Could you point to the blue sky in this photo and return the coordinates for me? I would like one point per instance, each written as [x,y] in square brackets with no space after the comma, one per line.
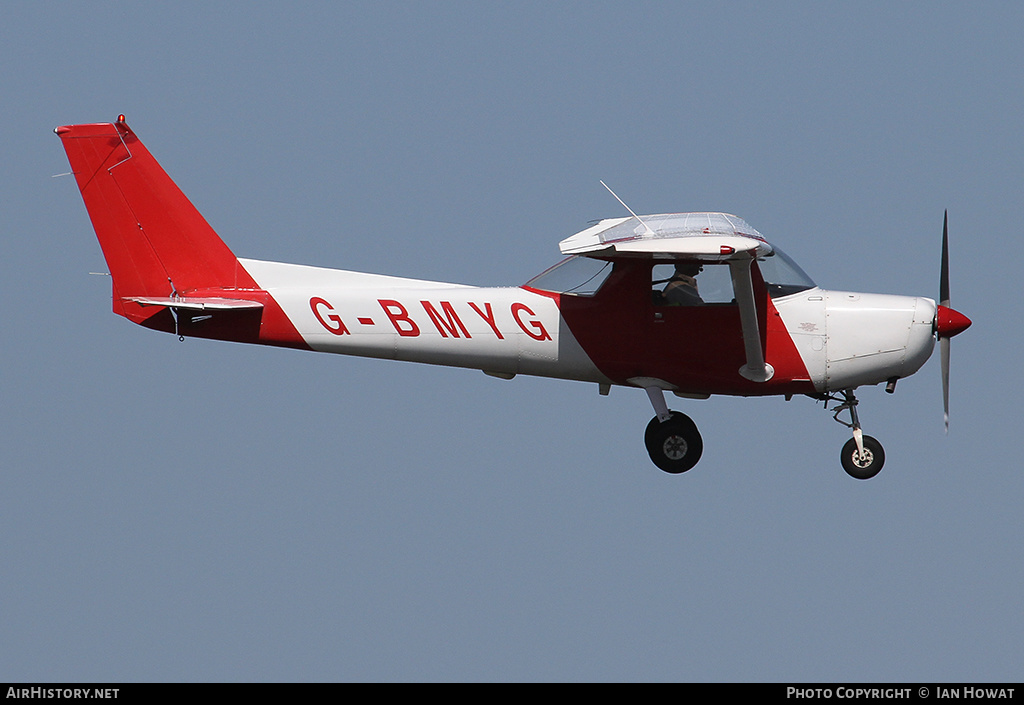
[211,511]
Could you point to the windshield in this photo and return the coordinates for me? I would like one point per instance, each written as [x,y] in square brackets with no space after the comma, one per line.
[782,275]
[578,275]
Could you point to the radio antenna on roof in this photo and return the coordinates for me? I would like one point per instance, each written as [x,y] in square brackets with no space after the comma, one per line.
[647,228]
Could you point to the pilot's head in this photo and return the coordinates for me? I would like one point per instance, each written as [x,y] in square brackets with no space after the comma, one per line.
[688,269]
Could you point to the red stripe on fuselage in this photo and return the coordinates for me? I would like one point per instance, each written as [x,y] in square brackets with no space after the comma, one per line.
[699,349]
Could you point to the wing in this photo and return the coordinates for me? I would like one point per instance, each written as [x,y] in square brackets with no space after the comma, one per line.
[709,237]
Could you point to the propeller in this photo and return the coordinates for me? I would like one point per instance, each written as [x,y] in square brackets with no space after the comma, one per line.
[948,322]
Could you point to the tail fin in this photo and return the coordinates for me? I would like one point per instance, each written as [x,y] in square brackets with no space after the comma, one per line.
[154,240]
[159,248]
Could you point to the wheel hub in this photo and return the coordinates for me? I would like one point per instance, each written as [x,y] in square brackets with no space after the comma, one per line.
[865,460]
[675,447]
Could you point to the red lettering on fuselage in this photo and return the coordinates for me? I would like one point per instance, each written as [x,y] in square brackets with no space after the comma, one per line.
[336,325]
[451,323]
[443,315]
[399,318]
[488,317]
[538,332]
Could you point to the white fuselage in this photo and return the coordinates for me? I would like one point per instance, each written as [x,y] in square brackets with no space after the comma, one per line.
[503,330]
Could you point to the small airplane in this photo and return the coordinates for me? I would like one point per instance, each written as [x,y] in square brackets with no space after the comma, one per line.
[689,303]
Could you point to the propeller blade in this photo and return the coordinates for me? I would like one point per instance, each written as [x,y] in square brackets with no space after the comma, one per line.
[944,351]
[944,267]
[944,301]
[948,322]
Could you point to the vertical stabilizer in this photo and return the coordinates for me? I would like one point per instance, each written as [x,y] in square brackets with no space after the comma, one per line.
[158,247]
[152,237]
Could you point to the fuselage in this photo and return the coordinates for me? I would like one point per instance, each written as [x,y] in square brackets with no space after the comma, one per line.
[816,340]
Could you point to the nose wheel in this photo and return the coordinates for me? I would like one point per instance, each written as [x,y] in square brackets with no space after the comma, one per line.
[865,464]
[862,456]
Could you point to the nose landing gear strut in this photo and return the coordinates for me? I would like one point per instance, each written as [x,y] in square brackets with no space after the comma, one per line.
[862,456]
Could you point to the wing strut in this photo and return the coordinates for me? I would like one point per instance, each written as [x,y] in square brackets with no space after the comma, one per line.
[756,369]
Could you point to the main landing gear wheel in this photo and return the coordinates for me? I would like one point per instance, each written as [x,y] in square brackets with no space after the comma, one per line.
[674,445]
[863,467]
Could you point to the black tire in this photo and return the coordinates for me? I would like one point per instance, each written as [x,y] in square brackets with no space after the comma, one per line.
[675,445]
[873,461]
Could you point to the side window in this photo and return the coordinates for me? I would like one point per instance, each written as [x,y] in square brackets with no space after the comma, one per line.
[581,276]
[691,284]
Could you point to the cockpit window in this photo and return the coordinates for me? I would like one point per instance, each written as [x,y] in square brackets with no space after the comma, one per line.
[583,276]
[782,275]
[578,275]
[691,284]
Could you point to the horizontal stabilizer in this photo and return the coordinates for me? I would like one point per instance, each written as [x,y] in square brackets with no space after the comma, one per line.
[195,304]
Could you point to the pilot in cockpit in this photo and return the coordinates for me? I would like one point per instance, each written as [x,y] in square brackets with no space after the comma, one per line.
[681,289]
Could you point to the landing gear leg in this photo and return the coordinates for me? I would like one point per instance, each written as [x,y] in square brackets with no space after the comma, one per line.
[862,456]
[672,438]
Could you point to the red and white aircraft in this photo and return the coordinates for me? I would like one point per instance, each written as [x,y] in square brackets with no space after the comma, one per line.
[690,303]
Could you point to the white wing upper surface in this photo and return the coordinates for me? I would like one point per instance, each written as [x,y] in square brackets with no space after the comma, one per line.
[702,236]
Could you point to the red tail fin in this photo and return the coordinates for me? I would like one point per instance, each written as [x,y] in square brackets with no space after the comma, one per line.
[158,246]
[153,238]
